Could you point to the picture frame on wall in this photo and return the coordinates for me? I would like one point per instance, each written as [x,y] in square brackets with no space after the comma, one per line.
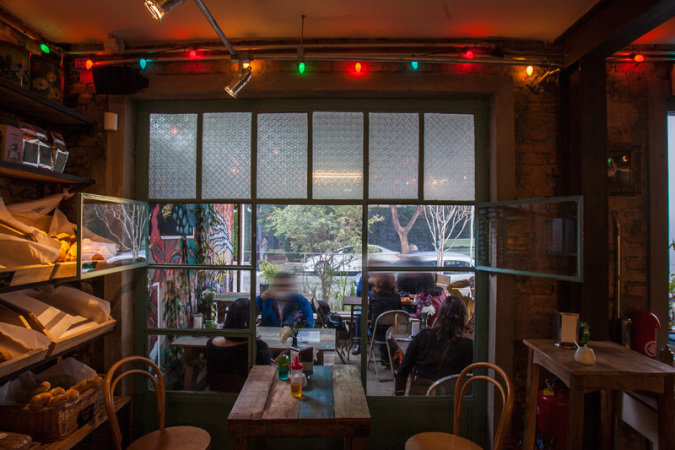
[623,169]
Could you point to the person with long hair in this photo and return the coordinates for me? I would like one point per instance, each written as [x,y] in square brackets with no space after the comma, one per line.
[384,297]
[227,357]
[440,350]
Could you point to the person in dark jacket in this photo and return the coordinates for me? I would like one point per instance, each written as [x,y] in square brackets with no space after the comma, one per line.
[278,305]
[227,357]
[440,350]
[384,297]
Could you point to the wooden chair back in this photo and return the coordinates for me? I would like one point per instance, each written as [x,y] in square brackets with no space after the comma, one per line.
[505,388]
[110,382]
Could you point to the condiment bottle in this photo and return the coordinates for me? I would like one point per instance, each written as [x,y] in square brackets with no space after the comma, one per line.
[296,378]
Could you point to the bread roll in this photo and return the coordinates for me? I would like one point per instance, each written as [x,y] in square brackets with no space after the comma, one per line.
[57,401]
[40,388]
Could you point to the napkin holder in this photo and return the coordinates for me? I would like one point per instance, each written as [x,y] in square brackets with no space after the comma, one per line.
[568,329]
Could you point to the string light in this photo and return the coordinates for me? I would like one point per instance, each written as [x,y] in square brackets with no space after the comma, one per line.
[193,54]
[468,54]
[358,67]
[301,67]
[414,65]
[143,63]
[44,48]
[529,71]
[88,64]
[639,58]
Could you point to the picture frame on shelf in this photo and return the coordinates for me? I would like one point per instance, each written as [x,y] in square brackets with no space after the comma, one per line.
[623,169]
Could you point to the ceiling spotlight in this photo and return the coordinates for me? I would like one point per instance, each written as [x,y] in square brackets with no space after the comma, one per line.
[160,7]
[238,83]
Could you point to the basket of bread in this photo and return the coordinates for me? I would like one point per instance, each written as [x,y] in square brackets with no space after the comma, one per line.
[51,410]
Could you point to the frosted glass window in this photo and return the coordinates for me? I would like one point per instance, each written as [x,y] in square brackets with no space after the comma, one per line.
[393,155]
[173,156]
[226,155]
[449,166]
[337,139]
[282,155]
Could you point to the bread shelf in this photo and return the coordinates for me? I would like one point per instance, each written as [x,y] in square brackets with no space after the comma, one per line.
[27,103]
[56,348]
[84,431]
[35,275]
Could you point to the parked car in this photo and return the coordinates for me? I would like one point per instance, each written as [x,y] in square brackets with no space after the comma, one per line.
[450,259]
[348,259]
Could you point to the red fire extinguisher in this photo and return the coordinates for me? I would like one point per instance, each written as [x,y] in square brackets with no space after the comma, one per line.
[643,332]
[552,412]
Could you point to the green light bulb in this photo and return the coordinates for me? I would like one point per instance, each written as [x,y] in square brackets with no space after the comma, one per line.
[44,48]
[301,67]
[414,65]
[143,63]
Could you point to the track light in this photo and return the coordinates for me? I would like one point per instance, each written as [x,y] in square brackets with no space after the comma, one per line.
[238,83]
[160,7]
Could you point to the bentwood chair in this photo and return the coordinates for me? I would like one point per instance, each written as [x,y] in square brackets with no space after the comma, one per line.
[400,321]
[179,437]
[436,440]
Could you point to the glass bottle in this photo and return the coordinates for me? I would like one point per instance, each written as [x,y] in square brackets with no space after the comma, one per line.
[296,378]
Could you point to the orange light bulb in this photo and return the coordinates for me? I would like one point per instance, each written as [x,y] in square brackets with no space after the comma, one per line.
[88,64]
[357,67]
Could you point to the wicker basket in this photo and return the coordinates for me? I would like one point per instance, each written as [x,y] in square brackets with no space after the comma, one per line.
[52,424]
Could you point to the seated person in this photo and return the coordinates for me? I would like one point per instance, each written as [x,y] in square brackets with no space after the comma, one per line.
[227,357]
[279,304]
[384,297]
[433,297]
[438,351]
[415,282]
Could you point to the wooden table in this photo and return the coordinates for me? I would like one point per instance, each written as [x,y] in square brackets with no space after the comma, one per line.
[617,368]
[333,406]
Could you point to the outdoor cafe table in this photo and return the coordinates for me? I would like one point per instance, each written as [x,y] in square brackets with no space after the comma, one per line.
[322,339]
[617,368]
[334,406]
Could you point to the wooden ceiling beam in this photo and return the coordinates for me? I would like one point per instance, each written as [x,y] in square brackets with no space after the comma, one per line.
[612,25]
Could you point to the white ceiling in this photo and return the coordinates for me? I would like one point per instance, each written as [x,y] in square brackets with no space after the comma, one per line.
[81,21]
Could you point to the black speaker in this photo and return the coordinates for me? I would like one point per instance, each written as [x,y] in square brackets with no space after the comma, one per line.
[118,80]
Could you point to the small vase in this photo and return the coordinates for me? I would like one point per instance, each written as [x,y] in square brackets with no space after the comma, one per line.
[423,325]
[585,355]
[295,341]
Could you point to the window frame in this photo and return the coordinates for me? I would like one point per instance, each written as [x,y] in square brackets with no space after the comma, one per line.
[477,106]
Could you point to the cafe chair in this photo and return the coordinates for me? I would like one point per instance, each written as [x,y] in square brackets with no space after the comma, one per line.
[400,321]
[436,440]
[178,437]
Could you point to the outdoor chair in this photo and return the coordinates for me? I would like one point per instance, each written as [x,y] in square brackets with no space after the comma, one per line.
[435,440]
[400,321]
[178,437]
[326,319]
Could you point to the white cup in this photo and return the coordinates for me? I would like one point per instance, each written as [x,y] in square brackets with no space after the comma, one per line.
[197,320]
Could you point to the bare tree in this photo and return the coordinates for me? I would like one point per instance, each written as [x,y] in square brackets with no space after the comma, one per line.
[127,223]
[403,231]
[446,223]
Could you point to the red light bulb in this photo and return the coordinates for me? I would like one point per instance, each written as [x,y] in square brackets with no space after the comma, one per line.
[468,54]
[192,54]
[88,64]
[639,58]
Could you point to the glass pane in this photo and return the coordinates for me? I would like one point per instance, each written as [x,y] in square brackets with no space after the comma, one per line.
[114,235]
[181,298]
[392,333]
[282,155]
[337,139]
[194,233]
[449,157]
[538,237]
[439,235]
[393,155]
[173,156]
[226,155]
[187,364]
[320,244]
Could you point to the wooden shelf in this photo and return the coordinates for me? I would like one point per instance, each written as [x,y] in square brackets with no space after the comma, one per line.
[27,103]
[30,173]
[83,431]
[56,348]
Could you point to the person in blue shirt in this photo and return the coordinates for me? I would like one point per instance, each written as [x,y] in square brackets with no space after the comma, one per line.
[278,304]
